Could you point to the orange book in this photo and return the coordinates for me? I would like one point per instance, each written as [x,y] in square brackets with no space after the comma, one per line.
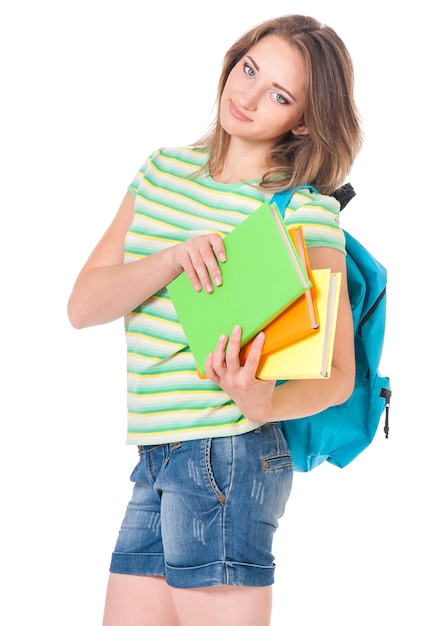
[300,318]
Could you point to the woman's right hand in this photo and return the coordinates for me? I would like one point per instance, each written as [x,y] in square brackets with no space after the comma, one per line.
[198,258]
[107,288]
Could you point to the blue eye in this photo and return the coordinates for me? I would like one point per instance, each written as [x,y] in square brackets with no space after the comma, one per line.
[249,71]
[280,98]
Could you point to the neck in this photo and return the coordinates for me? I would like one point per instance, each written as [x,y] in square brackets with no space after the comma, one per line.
[242,162]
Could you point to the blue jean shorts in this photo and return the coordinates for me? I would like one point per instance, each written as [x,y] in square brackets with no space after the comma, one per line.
[204,512]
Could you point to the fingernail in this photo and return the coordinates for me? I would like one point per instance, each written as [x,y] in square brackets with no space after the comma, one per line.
[217,280]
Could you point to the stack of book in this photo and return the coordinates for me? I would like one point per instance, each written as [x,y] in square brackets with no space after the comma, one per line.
[267,284]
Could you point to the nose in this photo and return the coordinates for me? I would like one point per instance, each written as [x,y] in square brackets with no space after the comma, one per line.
[249,97]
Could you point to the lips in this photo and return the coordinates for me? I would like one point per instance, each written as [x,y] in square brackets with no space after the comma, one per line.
[237,114]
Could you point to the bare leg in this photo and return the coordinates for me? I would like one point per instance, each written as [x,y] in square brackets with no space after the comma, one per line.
[138,601]
[149,601]
[219,606]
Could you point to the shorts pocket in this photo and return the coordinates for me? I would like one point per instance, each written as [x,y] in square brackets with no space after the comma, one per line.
[277,462]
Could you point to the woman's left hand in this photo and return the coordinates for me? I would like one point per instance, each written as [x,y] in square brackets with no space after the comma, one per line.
[252,396]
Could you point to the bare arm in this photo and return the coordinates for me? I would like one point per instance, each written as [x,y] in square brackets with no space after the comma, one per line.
[107,288]
[260,400]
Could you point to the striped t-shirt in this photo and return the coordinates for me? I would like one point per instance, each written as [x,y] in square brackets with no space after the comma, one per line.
[167,401]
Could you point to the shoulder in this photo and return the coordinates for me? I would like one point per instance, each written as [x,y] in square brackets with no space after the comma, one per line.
[166,162]
[319,215]
[311,199]
[188,155]
[307,205]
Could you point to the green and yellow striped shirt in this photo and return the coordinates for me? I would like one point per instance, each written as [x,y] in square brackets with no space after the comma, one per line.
[167,401]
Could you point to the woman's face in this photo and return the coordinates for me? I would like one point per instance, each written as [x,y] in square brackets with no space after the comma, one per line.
[263,98]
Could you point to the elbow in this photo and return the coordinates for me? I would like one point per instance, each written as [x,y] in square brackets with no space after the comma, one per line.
[345,384]
[75,323]
[75,317]
[346,391]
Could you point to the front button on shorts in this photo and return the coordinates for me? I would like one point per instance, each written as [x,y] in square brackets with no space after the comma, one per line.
[204,512]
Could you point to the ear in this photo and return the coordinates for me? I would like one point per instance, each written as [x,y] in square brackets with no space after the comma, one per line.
[300,129]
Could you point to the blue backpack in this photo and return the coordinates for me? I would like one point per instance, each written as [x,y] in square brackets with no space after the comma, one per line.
[340,433]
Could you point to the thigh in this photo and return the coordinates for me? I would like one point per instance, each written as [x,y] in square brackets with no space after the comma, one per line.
[221,501]
[222,606]
[139,601]
[260,483]
[139,546]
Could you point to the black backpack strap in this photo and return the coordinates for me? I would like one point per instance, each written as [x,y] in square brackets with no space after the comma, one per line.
[344,194]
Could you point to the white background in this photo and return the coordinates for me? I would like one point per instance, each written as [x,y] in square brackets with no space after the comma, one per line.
[89,89]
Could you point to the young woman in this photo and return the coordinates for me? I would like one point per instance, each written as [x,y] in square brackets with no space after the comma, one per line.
[195,546]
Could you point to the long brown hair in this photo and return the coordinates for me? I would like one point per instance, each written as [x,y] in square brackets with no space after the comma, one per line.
[324,157]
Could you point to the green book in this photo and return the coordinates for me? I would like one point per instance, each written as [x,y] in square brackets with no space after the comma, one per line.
[261,277]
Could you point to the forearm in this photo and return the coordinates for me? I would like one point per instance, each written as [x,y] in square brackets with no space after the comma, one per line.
[296,398]
[264,401]
[302,398]
[104,294]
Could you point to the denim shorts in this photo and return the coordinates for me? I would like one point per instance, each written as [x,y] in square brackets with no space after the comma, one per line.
[204,512]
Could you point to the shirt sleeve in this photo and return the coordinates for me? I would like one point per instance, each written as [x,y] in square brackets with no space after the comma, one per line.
[319,215]
[133,187]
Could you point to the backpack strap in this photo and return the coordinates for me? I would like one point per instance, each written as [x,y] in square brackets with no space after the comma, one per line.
[281,199]
[343,195]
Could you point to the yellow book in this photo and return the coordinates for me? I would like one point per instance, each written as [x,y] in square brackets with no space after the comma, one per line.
[309,357]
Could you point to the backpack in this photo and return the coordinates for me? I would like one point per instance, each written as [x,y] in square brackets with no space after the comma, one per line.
[340,433]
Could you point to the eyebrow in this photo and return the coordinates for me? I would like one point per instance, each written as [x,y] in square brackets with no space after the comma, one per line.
[280,87]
